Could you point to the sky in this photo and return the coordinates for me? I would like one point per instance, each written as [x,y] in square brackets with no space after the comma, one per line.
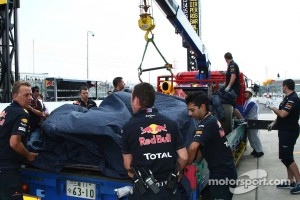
[262,35]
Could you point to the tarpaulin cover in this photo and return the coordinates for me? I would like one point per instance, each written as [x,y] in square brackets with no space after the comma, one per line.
[75,135]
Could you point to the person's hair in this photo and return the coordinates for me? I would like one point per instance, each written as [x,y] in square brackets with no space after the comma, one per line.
[198,99]
[289,83]
[34,88]
[116,81]
[228,56]
[83,87]
[16,86]
[146,94]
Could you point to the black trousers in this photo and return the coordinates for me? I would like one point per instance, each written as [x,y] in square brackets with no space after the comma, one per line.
[10,185]
[219,192]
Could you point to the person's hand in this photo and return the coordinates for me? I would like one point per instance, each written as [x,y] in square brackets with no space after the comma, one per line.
[130,173]
[180,175]
[270,105]
[227,89]
[31,156]
[76,103]
[270,126]
[29,108]
[46,113]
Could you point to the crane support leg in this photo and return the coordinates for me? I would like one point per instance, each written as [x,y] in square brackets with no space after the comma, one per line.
[9,48]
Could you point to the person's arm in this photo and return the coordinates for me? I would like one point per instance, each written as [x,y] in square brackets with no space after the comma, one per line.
[193,152]
[182,157]
[281,113]
[36,112]
[248,109]
[232,79]
[127,159]
[272,124]
[45,110]
[16,144]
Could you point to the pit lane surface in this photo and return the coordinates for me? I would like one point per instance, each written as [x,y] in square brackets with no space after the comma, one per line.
[269,163]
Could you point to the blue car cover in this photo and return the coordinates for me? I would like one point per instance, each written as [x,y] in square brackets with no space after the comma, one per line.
[74,135]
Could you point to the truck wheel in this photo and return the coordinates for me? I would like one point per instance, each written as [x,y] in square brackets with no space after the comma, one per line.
[227,124]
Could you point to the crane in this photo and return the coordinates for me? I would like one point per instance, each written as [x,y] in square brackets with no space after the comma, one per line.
[9,47]
[197,53]
[182,25]
[9,43]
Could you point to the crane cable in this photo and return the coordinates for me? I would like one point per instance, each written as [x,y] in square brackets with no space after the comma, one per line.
[146,23]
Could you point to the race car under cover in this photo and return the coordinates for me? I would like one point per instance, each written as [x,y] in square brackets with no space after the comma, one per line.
[74,135]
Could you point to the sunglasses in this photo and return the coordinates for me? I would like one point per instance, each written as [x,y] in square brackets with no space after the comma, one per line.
[37,90]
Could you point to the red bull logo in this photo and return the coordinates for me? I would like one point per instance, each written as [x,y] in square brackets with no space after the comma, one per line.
[49,83]
[3,114]
[153,129]
[155,139]
[2,118]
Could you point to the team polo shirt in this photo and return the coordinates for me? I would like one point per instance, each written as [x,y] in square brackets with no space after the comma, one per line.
[290,104]
[214,148]
[35,120]
[90,103]
[13,121]
[233,68]
[152,139]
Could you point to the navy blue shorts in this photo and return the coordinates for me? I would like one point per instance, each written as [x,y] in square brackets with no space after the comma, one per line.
[287,141]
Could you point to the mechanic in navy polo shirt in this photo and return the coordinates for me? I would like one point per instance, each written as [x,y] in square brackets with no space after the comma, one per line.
[84,100]
[210,143]
[14,124]
[119,84]
[288,133]
[152,141]
[233,81]
[37,112]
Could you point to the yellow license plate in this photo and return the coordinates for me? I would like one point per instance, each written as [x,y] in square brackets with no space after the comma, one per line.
[28,197]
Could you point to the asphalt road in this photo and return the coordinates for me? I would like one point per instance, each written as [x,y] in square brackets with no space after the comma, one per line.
[269,163]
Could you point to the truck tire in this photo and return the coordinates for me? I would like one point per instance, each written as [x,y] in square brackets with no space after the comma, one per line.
[227,124]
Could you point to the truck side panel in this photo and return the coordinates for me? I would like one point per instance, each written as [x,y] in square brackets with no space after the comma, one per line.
[50,186]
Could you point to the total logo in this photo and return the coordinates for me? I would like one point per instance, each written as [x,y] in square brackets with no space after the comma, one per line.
[154,156]
[153,129]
